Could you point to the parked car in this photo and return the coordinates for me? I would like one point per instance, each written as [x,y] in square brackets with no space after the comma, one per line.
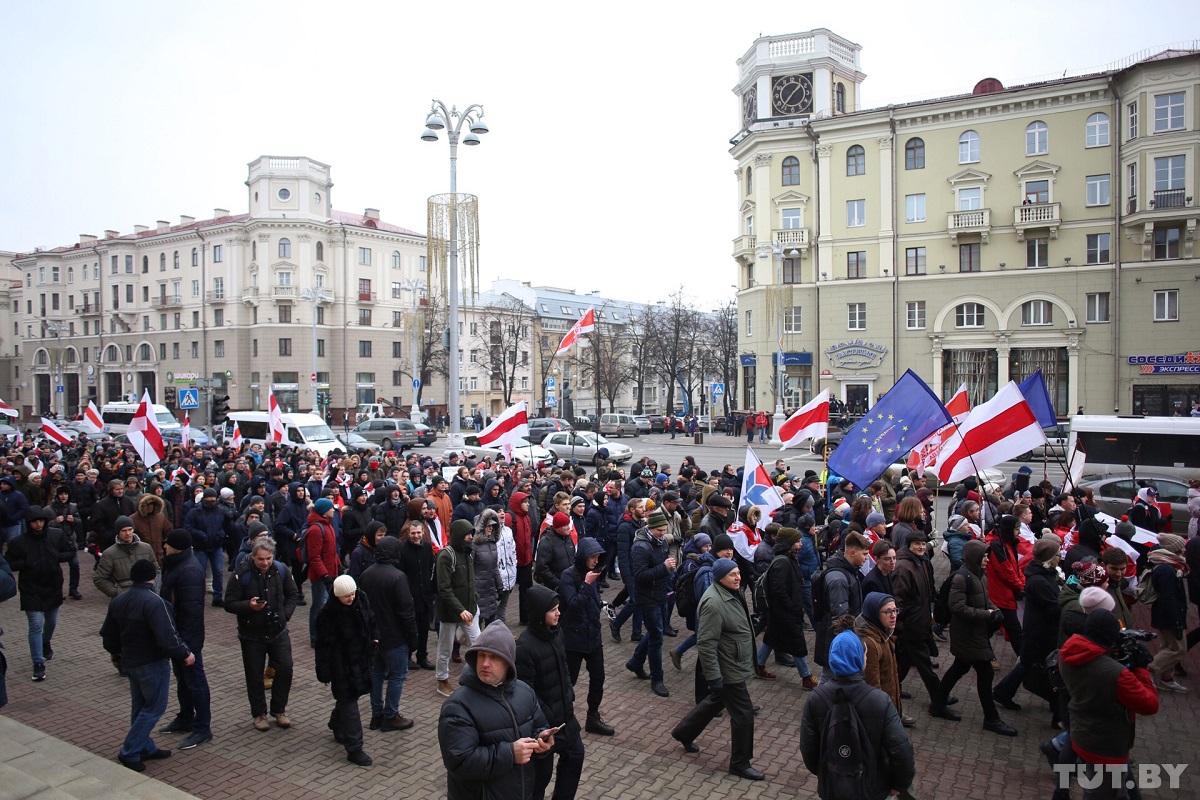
[1055,446]
[425,434]
[643,424]
[530,454]
[585,422]
[618,425]
[356,444]
[539,427]
[389,433]
[817,445]
[658,423]
[585,446]
[173,436]
[1114,494]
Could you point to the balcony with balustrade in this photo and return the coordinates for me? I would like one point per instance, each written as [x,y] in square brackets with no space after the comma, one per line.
[977,220]
[1041,216]
[788,239]
[215,296]
[168,301]
[745,247]
[286,294]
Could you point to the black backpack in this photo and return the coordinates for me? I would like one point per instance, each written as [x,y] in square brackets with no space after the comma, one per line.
[686,601]
[848,758]
[941,602]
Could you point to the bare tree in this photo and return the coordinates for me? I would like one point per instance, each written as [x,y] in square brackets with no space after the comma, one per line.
[671,339]
[641,350]
[431,323]
[607,362]
[505,333]
[721,349]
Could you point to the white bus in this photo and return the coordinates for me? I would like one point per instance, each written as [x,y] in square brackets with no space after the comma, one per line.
[1168,446]
[303,430]
[117,416]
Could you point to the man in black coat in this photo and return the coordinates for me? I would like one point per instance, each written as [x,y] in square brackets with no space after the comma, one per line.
[345,637]
[104,514]
[183,587]
[37,557]
[542,663]
[492,725]
[652,566]
[416,561]
[555,552]
[140,635]
[579,594]
[386,586]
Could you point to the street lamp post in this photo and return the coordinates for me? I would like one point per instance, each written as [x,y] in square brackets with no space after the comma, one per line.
[316,297]
[414,285]
[57,329]
[452,120]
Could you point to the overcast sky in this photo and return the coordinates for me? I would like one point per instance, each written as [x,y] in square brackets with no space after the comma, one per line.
[607,166]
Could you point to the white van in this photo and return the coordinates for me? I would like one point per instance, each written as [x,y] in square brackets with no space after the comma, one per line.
[306,431]
[618,425]
[117,417]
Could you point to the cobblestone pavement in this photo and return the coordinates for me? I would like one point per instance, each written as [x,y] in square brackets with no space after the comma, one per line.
[85,702]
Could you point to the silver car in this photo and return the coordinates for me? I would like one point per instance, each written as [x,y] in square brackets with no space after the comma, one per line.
[585,446]
[1114,494]
[389,433]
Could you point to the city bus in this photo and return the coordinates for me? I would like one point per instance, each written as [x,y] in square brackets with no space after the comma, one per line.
[1168,446]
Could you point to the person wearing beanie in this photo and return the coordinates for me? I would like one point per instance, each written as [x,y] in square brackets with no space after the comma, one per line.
[457,598]
[914,590]
[1116,564]
[344,643]
[958,533]
[555,552]
[718,518]
[895,767]
[320,543]
[1107,695]
[651,565]
[37,556]
[1168,612]
[363,554]
[725,635]
[113,574]
[492,725]
[183,587]
[209,526]
[581,628]
[358,514]
[974,621]
[140,635]
[785,599]
[392,602]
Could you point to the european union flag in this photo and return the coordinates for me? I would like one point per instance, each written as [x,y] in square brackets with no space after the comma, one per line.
[1037,395]
[901,420]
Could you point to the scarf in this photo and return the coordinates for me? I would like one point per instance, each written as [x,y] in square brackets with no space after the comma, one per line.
[1164,556]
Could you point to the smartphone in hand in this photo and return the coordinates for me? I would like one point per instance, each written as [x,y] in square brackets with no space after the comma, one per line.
[546,734]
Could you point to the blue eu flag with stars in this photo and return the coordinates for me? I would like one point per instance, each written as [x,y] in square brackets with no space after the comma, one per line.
[901,420]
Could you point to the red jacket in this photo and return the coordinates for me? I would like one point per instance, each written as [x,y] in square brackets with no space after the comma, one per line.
[321,542]
[1101,689]
[521,527]
[1004,575]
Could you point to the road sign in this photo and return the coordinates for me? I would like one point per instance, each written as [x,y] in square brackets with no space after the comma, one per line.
[718,389]
[59,389]
[312,377]
[189,398]
[416,383]
[551,382]
[551,401]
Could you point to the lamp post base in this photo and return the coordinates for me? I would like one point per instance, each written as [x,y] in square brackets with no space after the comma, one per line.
[777,421]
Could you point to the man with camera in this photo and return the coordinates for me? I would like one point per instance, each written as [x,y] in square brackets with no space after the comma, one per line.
[1107,676]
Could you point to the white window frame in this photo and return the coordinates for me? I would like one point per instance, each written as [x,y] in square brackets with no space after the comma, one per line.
[1098,190]
[1132,111]
[856,213]
[856,316]
[914,207]
[970,315]
[961,202]
[364,256]
[914,315]
[1166,305]
[1098,244]
[1168,111]
[1037,312]
[1096,130]
[1040,245]
[1171,169]
[1037,138]
[791,219]
[793,320]
[969,148]
[1098,308]
[749,322]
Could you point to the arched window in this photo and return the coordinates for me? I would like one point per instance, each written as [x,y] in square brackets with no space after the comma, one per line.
[320,251]
[841,98]
[144,353]
[162,262]
[111,354]
[285,248]
[70,355]
[41,359]
[145,263]
[856,161]
[395,259]
[914,153]
[195,256]
[968,315]
[1037,139]
[1096,131]
[791,171]
[968,147]
[70,274]
[175,260]
[749,180]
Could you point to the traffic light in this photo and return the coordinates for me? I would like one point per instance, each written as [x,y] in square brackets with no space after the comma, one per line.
[169,395]
[220,410]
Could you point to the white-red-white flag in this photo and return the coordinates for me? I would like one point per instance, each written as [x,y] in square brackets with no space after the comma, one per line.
[585,324]
[186,435]
[925,454]
[810,422]
[237,435]
[92,419]
[997,431]
[8,410]
[54,433]
[507,430]
[275,418]
[144,433]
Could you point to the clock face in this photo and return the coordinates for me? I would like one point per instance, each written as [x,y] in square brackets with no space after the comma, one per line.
[791,94]
[750,105]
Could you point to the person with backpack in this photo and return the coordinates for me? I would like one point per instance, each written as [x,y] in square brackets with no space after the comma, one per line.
[848,715]
[779,594]
[1168,610]
[913,582]
[318,555]
[837,590]
[726,637]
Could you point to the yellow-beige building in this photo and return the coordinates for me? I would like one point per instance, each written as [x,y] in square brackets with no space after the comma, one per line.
[975,238]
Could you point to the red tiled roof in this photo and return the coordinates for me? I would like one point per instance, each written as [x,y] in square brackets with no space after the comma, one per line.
[358,220]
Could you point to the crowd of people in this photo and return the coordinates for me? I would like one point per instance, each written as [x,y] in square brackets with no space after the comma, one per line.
[393,548]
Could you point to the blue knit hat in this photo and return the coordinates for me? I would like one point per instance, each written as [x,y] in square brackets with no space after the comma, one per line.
[722,567]
[323,506]
[846,655]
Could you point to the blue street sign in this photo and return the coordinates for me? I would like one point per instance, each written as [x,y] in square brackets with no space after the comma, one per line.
[551,382]
[59,389]
[551,402]
[189,398]
[416,383]
[718,389]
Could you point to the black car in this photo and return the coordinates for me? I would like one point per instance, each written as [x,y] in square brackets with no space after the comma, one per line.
[658,423]
[541,427]
[425,434]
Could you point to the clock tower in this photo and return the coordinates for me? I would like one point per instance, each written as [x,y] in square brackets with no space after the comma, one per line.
[785,80]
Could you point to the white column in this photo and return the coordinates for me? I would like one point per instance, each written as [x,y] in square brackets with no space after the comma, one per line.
[887,256]
[822,91]
[1073,377]
[825,207]
[938,378]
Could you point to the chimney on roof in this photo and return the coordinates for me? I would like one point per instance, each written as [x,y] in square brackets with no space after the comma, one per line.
[371,213]
[87,238]
[140,229]
[163,225]
[111,234]
[220,212]
[184,219]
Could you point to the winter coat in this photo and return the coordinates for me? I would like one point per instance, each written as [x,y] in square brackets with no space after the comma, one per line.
[445,509]
[416,562]
[879,666]
[363,554]
[138,629]
[914,587]
[725,636]
[1193,507]
[209,526]
[355,519]
[13,504]
[625,532]
[809,558]
[84,495]
[596,522]
[506,558]
[391,599]
[484,552]
[1169,611]
[151,525]
[971,611]
[289,524]
[1071,616]
[104,516]
[954,546]
[843,595]
[580,603]
[876,581]
[555,553]
[183,587]
[455,571]
[275,586]
[542,663]
[1105,699]
[785,599]
[467,510]
[73,531]
[522,528]
[614,510]
[1040,624]
[345,640]
[112,573]
[1005,577]
[321,543]
[647,560]
[37,559]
